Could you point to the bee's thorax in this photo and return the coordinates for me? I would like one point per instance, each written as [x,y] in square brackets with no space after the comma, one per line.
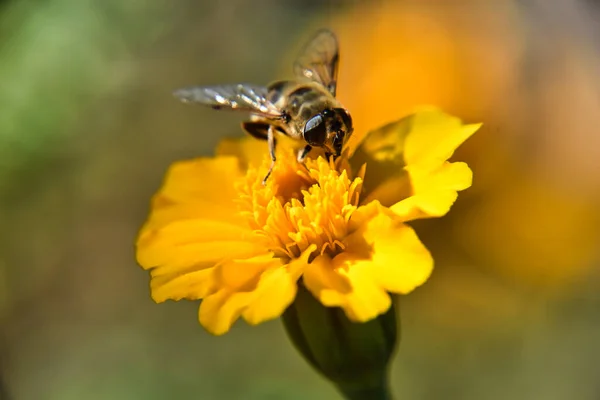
[300,101]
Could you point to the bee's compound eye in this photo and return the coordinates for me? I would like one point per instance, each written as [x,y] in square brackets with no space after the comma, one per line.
[315,131]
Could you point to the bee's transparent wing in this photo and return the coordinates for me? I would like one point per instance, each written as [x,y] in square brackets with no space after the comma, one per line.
[319,60]
[241,96]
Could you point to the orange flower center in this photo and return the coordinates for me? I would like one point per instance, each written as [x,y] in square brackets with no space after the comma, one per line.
[300,205]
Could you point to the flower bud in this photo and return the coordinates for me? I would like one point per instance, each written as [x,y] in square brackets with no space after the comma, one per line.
[353,356]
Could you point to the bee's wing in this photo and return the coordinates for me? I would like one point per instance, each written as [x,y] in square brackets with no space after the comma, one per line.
[319,60]
[244,97]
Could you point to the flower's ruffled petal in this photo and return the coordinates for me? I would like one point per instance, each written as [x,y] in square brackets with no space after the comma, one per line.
[427,205]
[390,190]
[164,212]
[191,228]
[427,136]
[260,299]
[384,144]
[220,310]
[206,179]
[361,218]
[188,270]
[276,289]
[266,300]
[401,155]
[365,300]
[382,255]
[368,298]
[194,284]
[274,293]
[382,153]
[242,274]
[188,242]
[434,136]
[335,284]
[398,259]
[320,278]
[182,256]
[185,231]
[185,255]
[196,189]
[203,278]
[434,192]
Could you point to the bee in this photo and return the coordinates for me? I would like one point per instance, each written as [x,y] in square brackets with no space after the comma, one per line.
[304,109]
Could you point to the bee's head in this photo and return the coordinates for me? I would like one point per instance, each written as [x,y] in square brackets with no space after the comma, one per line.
[329,129]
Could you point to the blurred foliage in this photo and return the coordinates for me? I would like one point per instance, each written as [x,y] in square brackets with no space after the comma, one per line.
[57,57]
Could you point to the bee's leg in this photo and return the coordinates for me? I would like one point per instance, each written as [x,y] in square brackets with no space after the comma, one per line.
[272,144]
[303,153]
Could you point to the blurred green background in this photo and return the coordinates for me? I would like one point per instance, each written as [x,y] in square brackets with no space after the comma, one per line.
[88,127]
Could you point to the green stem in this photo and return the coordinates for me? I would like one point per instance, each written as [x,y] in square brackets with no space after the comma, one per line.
[376,390]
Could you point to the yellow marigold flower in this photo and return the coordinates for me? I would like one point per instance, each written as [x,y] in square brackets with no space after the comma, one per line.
[216,233]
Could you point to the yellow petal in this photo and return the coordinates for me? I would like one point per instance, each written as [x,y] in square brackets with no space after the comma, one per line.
[220,310]
[166,212]
[361,217]
[382,255]
[272,294]
[188,242]
[193,285]
[426,137]
[209,179]
[319,276]
[343,282]
[434,192]
[180,257]
[399,261]
[400,157]
[263,300]
[360,296]
[385,143]
[192,230]
[434,136]
[390,190]
[201,188]
[367,299]
[238,273]
[427,205]
[187,274]
[383,153]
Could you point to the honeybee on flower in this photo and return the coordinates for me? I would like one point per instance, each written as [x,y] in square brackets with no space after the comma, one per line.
[304,109]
